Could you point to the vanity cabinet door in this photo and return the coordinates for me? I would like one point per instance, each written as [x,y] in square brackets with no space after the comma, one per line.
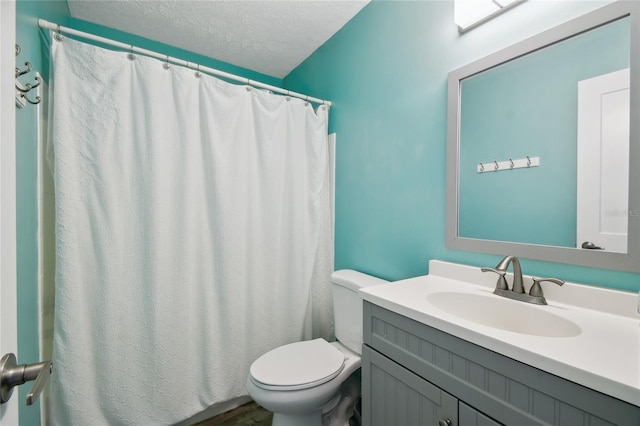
[392,395]
[471,417]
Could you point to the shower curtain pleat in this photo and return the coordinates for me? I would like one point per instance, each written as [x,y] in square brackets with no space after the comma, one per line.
[193,234]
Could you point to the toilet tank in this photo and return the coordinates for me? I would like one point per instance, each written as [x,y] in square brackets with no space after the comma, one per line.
[347,305]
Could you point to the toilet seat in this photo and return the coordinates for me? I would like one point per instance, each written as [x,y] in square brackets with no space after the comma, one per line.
[298,365]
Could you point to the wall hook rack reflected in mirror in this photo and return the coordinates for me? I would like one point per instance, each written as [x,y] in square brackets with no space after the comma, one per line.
[510,164]
[23,90]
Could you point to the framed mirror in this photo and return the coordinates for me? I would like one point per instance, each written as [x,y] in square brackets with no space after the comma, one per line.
[542,154]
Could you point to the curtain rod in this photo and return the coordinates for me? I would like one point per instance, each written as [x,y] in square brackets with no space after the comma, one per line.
[42,23]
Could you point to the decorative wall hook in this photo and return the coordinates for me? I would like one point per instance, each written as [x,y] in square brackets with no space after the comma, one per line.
[23,90]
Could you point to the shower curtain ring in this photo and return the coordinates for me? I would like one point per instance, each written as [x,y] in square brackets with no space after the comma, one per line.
[131,56]
[197,73]
[166,63]
[58,35]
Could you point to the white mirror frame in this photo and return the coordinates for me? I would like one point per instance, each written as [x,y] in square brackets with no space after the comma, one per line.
[608,260]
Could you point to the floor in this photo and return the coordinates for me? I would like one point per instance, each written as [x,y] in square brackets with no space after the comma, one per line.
[250,414]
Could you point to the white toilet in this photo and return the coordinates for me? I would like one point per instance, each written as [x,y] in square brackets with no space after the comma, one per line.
[302,382]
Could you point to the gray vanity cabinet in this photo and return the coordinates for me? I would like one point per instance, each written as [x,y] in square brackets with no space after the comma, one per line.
[413,374]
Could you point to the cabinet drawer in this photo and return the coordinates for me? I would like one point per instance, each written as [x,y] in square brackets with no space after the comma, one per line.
[508,391]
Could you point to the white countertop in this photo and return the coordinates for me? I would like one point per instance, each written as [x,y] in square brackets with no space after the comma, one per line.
[605,356]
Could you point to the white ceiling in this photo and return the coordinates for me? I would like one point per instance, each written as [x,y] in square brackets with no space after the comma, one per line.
[269,36]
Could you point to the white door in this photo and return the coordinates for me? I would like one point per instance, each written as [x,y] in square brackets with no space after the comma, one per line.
[8,308]
[603,161]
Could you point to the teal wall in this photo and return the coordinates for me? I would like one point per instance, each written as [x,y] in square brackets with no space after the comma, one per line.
[34,46]
[386,74]
[530,107]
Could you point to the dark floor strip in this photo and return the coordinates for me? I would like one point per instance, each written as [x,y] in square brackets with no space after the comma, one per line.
[250,414]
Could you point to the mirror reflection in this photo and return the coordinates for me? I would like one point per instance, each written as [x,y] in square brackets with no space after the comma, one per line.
[544,145]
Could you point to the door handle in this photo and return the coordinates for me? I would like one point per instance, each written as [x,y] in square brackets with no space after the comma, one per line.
[590,246]
[12,375]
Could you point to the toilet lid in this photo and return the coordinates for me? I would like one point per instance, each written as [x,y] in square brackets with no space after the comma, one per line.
[298,364]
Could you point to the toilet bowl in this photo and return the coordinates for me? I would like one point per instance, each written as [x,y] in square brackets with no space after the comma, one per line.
[301,401]
[304,382]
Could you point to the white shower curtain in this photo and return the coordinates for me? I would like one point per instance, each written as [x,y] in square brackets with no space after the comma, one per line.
[192,235]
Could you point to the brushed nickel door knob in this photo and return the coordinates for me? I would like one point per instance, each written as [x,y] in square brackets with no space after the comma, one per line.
[12,375]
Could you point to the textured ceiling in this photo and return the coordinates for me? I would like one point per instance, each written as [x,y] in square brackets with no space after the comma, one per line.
[271,37]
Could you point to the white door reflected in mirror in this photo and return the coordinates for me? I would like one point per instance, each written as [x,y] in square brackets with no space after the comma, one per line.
[603,161]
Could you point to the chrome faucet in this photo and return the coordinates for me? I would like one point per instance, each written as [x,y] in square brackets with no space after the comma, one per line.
[517,289]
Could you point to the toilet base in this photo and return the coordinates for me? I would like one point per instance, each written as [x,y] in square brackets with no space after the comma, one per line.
[334,413]
[307,419]
[343,410]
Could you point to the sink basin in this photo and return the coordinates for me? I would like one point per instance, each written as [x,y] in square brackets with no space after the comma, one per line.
[509,315]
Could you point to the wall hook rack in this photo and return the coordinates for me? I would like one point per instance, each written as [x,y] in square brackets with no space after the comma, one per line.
[23,90]
[510,164]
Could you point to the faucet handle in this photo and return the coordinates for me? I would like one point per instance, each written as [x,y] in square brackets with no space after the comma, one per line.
[536,289]
[502,281]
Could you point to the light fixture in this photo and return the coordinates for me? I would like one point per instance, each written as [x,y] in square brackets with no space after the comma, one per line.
[469,14]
